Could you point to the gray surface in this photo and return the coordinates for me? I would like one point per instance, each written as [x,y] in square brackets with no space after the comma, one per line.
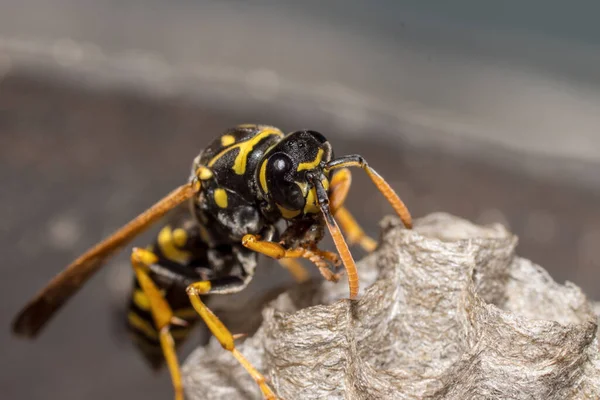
[521,74]
[447,312]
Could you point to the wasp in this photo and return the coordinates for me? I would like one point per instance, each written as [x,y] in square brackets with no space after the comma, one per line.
[241,187]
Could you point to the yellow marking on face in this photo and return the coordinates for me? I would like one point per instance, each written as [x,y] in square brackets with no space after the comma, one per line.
[141,300]
[263,176]
[179,237]
[168,247]
[311,202]
[288,214]
[312,164]
[311,206]
[221,197]
[303,187]
[239,164]
[227,140]
[142,325]
[204,173]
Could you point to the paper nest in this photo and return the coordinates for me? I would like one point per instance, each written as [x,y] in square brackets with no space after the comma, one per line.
[446,311]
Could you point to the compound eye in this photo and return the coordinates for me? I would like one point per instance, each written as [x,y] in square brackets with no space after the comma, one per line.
[279,165]
[284,190]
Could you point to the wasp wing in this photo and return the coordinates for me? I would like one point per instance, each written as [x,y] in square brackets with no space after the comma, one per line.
[43,306]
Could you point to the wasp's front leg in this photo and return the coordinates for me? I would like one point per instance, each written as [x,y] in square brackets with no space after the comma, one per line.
[307,250]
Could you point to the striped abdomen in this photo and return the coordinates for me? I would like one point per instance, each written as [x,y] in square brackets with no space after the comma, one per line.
[141,324]
[180,251]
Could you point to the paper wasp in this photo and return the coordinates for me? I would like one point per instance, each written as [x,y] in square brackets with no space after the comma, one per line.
[245,182]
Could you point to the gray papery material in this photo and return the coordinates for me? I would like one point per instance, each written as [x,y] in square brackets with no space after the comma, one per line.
[446,311]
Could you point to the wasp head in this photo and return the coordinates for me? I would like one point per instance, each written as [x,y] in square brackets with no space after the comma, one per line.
[288,172]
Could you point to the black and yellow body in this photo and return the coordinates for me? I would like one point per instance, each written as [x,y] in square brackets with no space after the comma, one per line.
[236,200]
[182,258]
[242,186]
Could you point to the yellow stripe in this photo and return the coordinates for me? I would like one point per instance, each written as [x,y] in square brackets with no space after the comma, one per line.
[312,164]
[303,187]
[179,237]
[142,325]
[227,140]
[141,300]
[239,165]
[221,197]
[263,176]
[310,206]
[287,214]
[263,172]
[168,248]
[147,257]
[204,173]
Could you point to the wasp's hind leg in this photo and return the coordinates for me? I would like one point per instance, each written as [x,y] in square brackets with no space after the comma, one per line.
[141,261]
[338,191]
[223,335]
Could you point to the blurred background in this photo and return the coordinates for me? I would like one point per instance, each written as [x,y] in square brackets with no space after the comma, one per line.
[487,110]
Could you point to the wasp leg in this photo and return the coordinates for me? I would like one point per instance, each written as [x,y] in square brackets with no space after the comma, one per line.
[318,257]
[338,191]
[141,260]
[353,231]
[380,183]
[296,269]
[339,186]
[277,251]
[223,335]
